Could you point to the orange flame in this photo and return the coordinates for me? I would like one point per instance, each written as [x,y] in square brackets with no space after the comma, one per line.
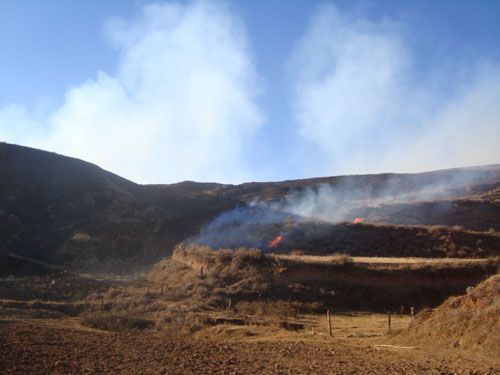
[275,242]
[358,220]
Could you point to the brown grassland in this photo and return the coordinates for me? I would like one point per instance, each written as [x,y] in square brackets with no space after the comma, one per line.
[206,311]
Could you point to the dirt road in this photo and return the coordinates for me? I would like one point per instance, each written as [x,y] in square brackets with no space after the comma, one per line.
[33,349]
[385,260]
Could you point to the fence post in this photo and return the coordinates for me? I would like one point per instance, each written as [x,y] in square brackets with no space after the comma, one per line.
[161,289]
[412,312]
[389,319]
[329,323]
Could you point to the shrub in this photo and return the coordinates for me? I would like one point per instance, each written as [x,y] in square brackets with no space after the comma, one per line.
[342,259]
[116,322]
[297,252]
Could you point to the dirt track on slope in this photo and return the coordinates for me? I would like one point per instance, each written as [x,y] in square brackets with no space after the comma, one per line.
[34,349]
[386,260]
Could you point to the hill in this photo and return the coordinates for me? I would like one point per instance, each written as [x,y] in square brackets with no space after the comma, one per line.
[386,240]
[67,212]
[469,321]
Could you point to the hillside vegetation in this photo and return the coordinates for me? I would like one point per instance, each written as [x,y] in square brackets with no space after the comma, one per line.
[478,209]
[323,238]
[68,213]
[470,321]
[203,278]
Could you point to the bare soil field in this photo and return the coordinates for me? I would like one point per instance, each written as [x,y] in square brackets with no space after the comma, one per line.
[64,347]
[241,312]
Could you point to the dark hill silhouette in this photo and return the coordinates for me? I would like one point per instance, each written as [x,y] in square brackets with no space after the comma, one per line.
[64,211]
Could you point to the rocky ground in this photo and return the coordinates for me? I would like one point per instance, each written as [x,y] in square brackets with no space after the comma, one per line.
[35,348]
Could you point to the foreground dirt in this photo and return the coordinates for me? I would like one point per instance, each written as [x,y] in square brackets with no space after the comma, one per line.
[39,349]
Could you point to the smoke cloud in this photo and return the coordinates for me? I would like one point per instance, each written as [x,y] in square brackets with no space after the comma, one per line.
[179,106]
[182,103]
[363,105]
[310,212]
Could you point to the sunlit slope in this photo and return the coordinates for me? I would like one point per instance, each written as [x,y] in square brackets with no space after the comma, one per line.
[470,321]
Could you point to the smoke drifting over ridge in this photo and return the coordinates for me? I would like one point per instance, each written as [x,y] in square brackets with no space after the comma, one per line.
[367,104]
[260,221]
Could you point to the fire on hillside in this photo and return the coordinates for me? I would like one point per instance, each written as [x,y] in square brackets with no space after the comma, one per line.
[275,242]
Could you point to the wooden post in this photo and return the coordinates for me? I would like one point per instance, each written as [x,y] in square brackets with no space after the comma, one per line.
[201,271]
[329,323]
[229,304]
[411,312]
[402,310]
[161,289]
[312,330]
[389,319]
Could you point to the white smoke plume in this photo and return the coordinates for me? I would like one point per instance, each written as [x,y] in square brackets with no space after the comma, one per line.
[180,104]
[366,106]
[342,199]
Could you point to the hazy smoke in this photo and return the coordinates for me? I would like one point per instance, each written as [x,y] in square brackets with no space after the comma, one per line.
[179,106]
[182,102]
[260,221]
[366,106]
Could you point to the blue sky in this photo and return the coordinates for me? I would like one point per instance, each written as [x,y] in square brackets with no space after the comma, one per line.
[160,92]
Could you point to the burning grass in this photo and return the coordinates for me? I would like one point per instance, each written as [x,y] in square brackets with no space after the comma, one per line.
[362,239]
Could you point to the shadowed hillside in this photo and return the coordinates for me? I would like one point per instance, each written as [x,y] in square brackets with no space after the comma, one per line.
[477,209]
[323,238]
[63,210]
[67,212]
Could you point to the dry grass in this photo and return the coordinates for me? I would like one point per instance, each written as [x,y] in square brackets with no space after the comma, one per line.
[278,298]
[345,259]
[201,287]
[470,321]
[110,321]
[312,237]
